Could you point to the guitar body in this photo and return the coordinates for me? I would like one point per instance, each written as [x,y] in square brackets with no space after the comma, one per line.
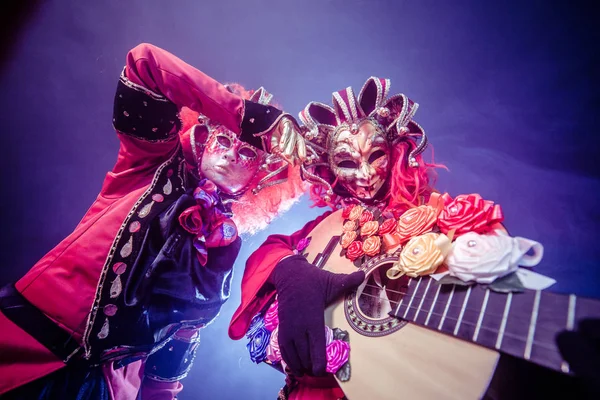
[409,362]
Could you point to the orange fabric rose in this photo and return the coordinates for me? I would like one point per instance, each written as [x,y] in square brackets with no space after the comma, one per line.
[387,226]
[416,221]
[355,213]
[371,245]
[349,226]
[391,242]
[355,250]
[369,229]
[469,213]
[346,212]
[365,217]
[347,238]
[421,256]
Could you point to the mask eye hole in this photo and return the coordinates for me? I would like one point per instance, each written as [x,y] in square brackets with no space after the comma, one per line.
[247,152]
[376,155]
[224,141]
[347,164]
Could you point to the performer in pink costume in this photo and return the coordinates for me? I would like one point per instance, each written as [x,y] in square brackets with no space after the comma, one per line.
[118,304]
[364,150]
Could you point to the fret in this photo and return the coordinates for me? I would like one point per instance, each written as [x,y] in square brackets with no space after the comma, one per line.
[564,366]
[447,307]
[532,323]
[411,299]
[571,312]
[397,313]
[422,299]
[481,314]
[433,303]
[462,311]
[504,319]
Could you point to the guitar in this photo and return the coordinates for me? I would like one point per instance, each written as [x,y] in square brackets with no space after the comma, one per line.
[417,339]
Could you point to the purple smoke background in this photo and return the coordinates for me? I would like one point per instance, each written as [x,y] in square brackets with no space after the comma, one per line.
[509,95]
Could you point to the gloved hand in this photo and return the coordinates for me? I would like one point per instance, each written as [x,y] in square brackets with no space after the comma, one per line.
[287,142]
[303,292]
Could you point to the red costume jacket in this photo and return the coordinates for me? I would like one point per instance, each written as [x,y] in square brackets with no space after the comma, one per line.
[75,283]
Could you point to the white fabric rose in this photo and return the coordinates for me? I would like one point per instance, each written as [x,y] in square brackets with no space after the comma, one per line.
[483,258]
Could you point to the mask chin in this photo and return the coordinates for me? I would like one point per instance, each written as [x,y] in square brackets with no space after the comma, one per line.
[340,190]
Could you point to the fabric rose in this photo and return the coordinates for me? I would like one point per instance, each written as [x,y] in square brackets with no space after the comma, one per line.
[416,221]
[387,226]
[372,245]
[483,258]
[355,250]
[257,347]
[355,213]
[328,335]
[303,244]
[338,353]
[391,242]
[273,350]
[272,317]
[365,217]
[191,219]
[257,323]
[349,226]
[346,211]
[347,238]
[369,228]
[421,256]
[469,213]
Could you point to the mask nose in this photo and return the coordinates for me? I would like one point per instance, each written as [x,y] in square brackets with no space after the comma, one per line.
[231,155]
[365,173]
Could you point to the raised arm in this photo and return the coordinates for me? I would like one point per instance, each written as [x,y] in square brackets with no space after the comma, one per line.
[152,89]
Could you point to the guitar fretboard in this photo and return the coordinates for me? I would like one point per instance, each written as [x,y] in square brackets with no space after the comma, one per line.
[520,324]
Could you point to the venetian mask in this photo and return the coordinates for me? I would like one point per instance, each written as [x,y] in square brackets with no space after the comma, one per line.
[229,163]
[360,158]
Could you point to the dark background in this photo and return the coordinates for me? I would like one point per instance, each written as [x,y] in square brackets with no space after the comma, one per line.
[509,95]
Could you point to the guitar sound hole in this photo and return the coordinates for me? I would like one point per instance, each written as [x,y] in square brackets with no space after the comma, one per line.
[378,296]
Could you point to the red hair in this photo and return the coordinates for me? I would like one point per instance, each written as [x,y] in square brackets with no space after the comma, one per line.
[253,212]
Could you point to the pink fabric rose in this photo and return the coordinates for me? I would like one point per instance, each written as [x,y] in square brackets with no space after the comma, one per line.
[338,353]
[273,350]
[272,317]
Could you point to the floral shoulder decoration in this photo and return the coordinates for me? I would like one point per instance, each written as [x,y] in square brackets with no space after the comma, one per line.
[209,220]
[263,344]
[457,240]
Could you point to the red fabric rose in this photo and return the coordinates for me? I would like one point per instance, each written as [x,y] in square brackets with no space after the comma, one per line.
[355,250]
[347,210]
[387,226]
[365,217]
[191,219]
[469,213]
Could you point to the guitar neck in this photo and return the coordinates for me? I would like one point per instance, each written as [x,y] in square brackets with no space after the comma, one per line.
[520,324]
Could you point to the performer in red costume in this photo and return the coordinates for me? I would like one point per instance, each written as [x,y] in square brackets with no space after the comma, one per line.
[362,151]
[118,305]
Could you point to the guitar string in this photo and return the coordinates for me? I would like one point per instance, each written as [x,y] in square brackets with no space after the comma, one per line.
[508,334]
[514,318]
[517,318]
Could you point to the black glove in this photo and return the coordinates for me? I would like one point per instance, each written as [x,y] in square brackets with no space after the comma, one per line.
[304,291]
[581,349]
